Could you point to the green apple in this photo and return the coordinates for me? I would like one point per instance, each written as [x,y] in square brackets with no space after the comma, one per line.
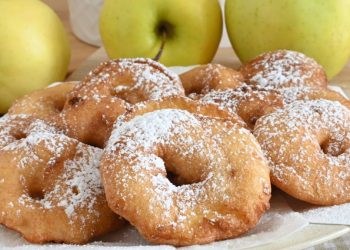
[34,49]
[137,28]
[317,28]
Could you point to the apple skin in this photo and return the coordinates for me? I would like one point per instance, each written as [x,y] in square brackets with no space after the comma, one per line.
[131,29]
[34,49]
[318,28]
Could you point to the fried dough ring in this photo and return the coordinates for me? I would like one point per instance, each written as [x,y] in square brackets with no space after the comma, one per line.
[50,184]
[108,91]
[221,173]
[252,102]
[284,68]
[308,145]
[45,104]
[203,79]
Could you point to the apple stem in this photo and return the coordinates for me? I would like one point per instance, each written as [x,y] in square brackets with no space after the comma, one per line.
[160,51]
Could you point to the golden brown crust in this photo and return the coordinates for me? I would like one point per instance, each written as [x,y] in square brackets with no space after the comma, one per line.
[45,104]
[308,145]
[284,68]
[177,102]
[203,79]
[252,102]
[51,187]
[135,79]
[222,179]
[109,90]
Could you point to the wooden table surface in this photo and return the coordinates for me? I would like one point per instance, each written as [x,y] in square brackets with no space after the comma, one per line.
[80,50]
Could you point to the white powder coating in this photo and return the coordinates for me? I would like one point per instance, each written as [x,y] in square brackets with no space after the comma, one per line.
[149,77]
[292,94]
[328,215]
[284,68]
[151,126]
[75,189]
[76,185]
[230,99]
[172,139]
[13,126]
[308,145]
[239,99]
[211,76]
[148,131]
[210,72]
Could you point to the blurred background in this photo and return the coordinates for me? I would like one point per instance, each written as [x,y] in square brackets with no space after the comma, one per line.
[80,50]
[80,18]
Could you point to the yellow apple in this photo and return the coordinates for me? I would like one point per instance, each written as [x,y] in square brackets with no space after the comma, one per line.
[136,28]
[317,28]
[34,49]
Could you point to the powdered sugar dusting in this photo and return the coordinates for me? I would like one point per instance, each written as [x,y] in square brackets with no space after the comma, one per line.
[328,215]
[76,183]
[230,99]
[211,76]
[76,188]
[209,72]
[292,94]
[252,102]
[142,149]
[162,122]
[149,131]
[150,78]
[16,127]
[284,68]
[309,141]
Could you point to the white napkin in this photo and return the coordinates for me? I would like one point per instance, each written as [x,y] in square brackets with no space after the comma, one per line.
[339,215]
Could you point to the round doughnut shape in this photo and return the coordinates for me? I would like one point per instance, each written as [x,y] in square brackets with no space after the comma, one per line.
[308,146]
[50,186]
[220,179]
[253,102]
[203,79]
[134,79]
[109,90]
[14,127]
[284,68]
[45,104]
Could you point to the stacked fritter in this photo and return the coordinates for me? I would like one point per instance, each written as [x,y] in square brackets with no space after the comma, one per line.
[186,160]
